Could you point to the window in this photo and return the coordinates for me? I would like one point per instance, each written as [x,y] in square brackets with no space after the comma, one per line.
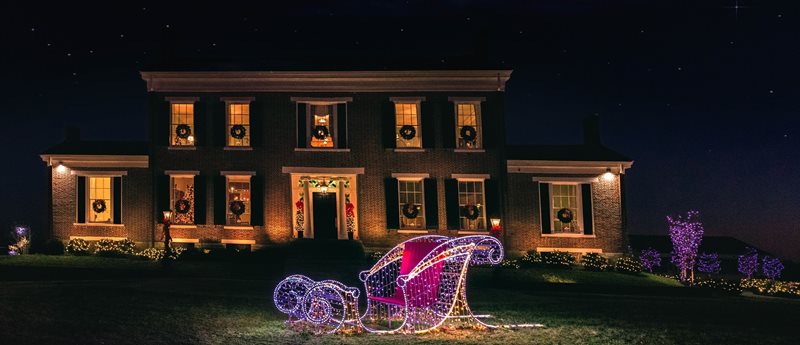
[407,128]
[468,128]
[182,199]
[99,208]
[238,124]
[182,124]
[412,204]
[472,205]
[322,125]
[566,196]
[238,200]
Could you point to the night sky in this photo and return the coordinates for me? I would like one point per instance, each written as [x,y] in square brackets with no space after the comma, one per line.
[701,94]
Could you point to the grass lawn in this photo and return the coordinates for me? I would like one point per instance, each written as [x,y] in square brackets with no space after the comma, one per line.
[86,300]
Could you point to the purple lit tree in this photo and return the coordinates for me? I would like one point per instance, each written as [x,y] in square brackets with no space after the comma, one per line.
[650,259]
[708,263]
[772,267]
[686,234]
[748,263]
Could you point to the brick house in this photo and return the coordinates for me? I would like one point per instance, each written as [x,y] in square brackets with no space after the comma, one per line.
[255,158]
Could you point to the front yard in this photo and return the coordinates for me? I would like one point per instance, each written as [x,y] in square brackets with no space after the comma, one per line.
[90,300]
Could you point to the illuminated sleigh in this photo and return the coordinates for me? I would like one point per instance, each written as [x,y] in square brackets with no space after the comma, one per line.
[417,286]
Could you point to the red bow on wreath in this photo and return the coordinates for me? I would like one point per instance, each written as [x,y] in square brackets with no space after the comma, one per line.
[299,205]
[350,209]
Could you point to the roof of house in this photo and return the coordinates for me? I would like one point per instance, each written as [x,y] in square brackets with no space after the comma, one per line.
[564,153]
[723,245]
[85,147]
[344,63]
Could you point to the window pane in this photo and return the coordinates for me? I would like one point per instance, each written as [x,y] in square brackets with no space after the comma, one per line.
[182,199]
[412,207]
[182,124]
[407,129]
[99,207]
[321,131]
[470,195]
[565,196]
[238,124]
[238,200]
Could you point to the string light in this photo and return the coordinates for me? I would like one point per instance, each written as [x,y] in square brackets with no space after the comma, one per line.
[686,234]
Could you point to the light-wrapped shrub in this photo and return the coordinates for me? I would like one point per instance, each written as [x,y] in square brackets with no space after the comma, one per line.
[78,246]
[722,285]
[510,263]
[111,248]
[594,262]
[558,259]
[532,258]
[628,264]
[650,259]
[156,254]
[772,287]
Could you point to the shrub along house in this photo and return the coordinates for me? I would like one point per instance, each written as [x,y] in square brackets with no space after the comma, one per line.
[253,158]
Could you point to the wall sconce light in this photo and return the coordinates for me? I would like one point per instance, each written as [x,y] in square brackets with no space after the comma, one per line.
[167,216]
[60,168]
[608,175]
[323,186]
[496,224]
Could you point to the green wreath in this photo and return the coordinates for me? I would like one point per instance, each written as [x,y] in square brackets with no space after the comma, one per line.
[471,212]
[183,131]
[237,207]
[408,132]
[99,206]
[410,211]
[320,132]
[238,131]
[468,133]
[183,206]
[565,215]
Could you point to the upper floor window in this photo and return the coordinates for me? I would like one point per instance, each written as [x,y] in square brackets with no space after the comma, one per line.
[238,200]
[322,119]
[407,124]
[566,208]
[322,123]
[182,198]
[468,128]
[238,124]
[182,124]
[472,204]
[100,196]
[412,204]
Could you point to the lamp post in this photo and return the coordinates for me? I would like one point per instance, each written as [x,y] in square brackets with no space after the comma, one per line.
[496,227]
[167,236]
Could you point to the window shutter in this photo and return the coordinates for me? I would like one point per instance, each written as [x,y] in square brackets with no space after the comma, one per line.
[256,124]
[544,206]
[81,191]
[117,202]
[301,125]
[389,134]
[341,125]
[490,126]
[257,200]
[220,206]
[449,125]
[492,199]
[451,202]
[586,198]
[392,204]
[162,196]
[428,120]
[219,124]
[161,122]
[199,199]
[431,203]
[199,130]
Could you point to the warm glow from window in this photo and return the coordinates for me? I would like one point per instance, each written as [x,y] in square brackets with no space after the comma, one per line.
[406,114]
[99,200]
[321,125]
[566,196]
[181,196]
[239,124]
[238,192]
[470,193]
[182,131]
[411,194]
[467,116]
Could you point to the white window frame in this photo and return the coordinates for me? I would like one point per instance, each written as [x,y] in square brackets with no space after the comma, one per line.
[235,100]
[249,207]
[408,100]
[478,122]
[88,201]
[172,195]
[421,181]
[579,211]
[483,203]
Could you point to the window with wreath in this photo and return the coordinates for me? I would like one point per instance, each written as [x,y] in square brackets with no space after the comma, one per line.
[566,211]
[238,124]
[412,204]
[182,124]
[468,128]
[100,196]
[322,118]
[472,205]
[407,125]
[238,200]
[182,199]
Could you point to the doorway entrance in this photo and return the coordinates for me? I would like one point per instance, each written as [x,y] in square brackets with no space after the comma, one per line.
[324,207]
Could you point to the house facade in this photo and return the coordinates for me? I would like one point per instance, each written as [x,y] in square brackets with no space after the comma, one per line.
[249,159]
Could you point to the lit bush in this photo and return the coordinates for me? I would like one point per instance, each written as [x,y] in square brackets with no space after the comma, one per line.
[111,248]
[650,259]
[532,258]
[772,287]
[594,262]
[628,264]
[709,263]
[772,267]
[722,285]
[78,246]
[510,263]
[558,259]
[156,254]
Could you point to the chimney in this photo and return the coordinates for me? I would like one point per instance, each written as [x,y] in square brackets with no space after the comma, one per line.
[72,134]
[591,130]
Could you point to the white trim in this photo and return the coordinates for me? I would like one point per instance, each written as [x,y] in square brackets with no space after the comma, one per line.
[183,226]
[472,177]
[569,250]
[237,227]
[321,100]
[230,241]
[322,81]
[466,99]
[181,172]
[407,99]
[181,99]
[410,176]
[411,231]
[469,150]
[98,173]
[97,161]
[473,232]
[320,170]
[237,99]
[185,240]
[97,238]
[410,149]
[567,235]
[113,225]
[578,200]
[237,173]
[567,167]
[182,147]
[321,149]
[237,148]
[557,179]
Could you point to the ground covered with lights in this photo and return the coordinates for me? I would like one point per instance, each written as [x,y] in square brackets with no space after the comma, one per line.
[92,300]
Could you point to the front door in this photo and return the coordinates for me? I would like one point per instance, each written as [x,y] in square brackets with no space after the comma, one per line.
[325,216]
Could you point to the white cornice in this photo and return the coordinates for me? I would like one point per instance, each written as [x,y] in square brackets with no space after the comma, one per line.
[97,161]
[567,167]
[321,170]
[344,81]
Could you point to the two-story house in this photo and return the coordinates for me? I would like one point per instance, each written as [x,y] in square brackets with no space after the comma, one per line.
[260,157]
